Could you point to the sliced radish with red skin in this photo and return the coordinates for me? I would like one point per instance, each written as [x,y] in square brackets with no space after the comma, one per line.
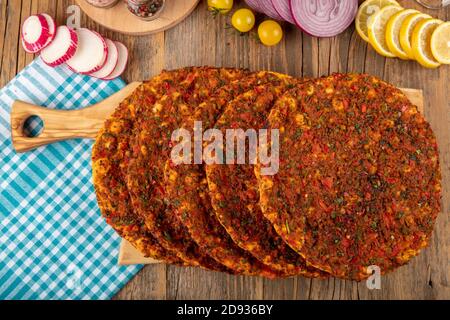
[62,48]
[324,18]
[121,63]
[35,33]
[51,28]
[91,53]
[283,8]
[25,47]
[264,6]
[111,62]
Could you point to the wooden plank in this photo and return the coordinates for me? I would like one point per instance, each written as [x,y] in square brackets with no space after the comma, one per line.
[3,22]
[293,52]
[282,289]
[11,42]
[193,283]
[192,43]
[310,56]
[46,6]
[356,52]
[235,49]
[24,58]
[61,11]
[149,284]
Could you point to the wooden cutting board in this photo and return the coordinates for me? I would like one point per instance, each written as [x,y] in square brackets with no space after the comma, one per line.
[129,255]
[119,19]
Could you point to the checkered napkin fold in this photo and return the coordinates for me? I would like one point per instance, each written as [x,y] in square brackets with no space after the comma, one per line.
[53,242]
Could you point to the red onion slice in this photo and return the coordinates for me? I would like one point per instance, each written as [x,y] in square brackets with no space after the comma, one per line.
[264,6]
[283,9]
[324,18]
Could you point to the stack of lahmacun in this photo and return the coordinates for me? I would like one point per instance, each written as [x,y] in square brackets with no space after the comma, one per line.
[358,182]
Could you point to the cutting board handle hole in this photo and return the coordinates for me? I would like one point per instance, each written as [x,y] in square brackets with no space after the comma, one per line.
[33,126]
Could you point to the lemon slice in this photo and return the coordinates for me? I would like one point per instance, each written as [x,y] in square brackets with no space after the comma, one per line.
[440,43]
[406,31]
[393,30]
[367,9]
[420,42]
[376,27]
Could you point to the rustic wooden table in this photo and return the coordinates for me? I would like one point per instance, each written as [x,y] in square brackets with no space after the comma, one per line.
[203,40]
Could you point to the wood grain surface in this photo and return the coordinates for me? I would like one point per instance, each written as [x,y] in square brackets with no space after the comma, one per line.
[203,40]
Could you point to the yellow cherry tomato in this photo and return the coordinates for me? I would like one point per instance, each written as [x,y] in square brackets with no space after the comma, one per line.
[270,32]
[220,6]
[243,20]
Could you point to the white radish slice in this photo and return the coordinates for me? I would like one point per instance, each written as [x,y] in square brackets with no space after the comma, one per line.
[62,48]
[35,33]
[121,63]
[25,47]
[51,28]
[91,53]
[111,62]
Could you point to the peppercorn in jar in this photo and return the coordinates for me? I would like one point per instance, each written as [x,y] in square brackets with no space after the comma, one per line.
[146,9]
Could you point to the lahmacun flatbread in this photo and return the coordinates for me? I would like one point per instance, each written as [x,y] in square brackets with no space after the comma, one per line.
[234,187]
[151,145]
[188,192]
[359,178]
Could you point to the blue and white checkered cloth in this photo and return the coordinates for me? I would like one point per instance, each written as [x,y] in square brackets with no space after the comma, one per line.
[53,242]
